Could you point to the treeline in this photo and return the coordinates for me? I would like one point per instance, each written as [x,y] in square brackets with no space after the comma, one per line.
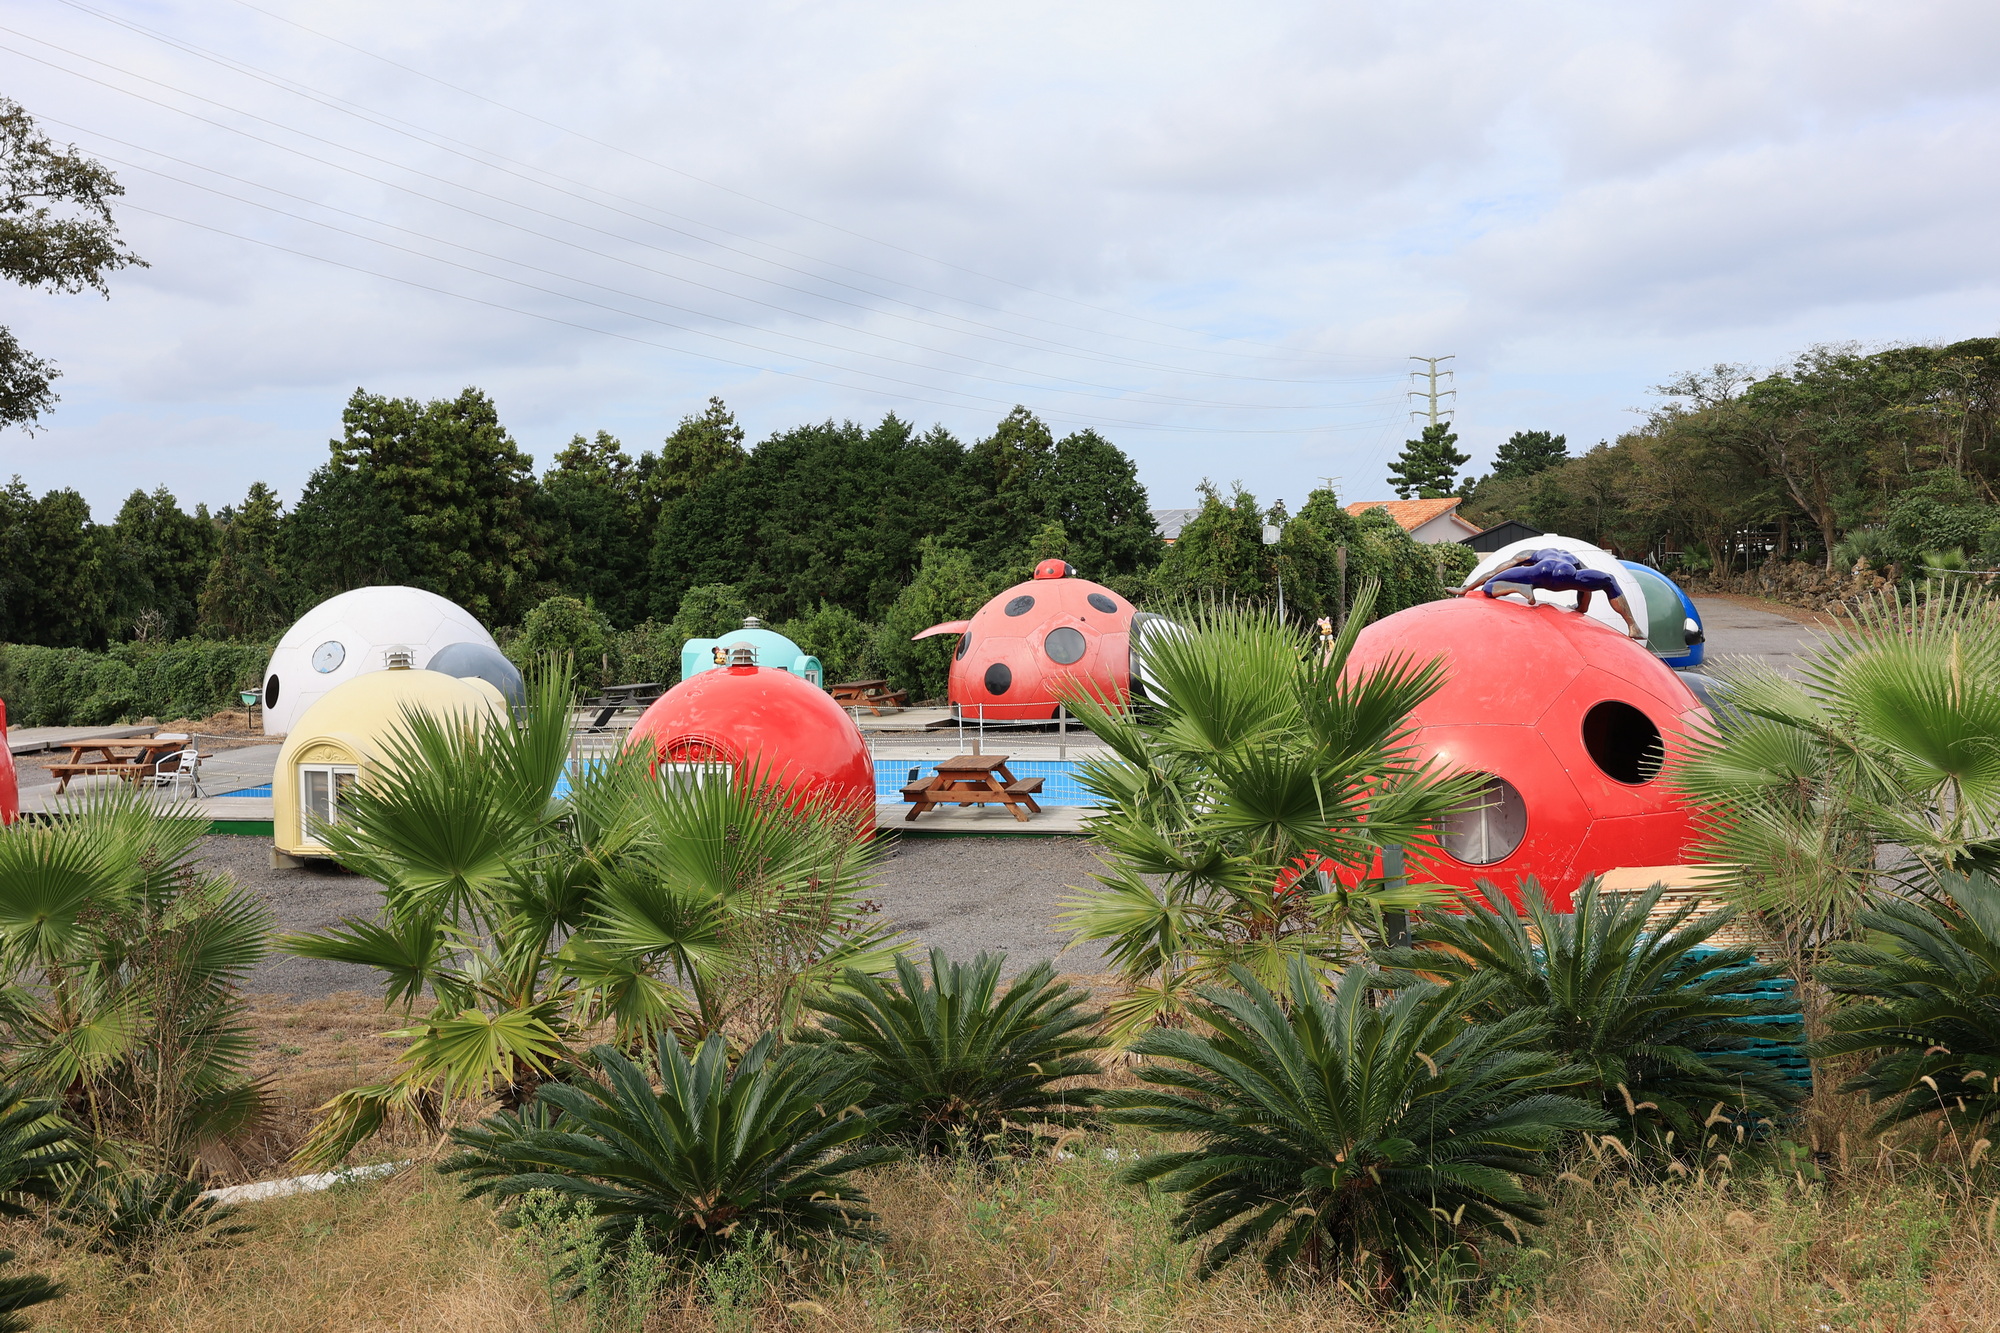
[847,539]
[1888,457]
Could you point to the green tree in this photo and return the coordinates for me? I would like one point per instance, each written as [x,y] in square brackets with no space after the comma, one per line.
[60,570]
[163,557]
[47,250]
[464,489]
[707,612]
[1253,766]
[1427,469]
[700,448]
[948,586]
[569,629]
[1528,452]
[344,533]
[1220,553]
[598,546]
[842,641]
[1102,508]
[1008,485]
[244,596]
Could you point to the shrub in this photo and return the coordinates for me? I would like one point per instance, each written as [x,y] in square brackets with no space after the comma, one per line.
[34,1149]
[569,629]
[1340,1137]
[957,1063]
[54,687]
[699,1167]
[842,641]
[1649,1011]
[19,1291]
[134,1215]
[1929,979]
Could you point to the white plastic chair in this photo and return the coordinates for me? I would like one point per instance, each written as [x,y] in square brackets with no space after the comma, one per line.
[186,767]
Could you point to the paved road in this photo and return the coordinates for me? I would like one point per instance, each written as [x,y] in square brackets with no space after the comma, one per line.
[1736,629]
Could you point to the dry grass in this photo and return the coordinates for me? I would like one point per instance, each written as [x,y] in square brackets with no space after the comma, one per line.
[1893,1238]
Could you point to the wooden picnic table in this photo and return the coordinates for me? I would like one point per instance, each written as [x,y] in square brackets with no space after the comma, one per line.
[873,695]
[128,759]
[973,779]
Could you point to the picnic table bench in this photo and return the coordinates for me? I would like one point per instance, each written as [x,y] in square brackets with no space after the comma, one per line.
[873,695]
[130,760]
[974,779]
[613,699]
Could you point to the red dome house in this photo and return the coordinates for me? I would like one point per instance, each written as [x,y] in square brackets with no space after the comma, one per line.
[1020,646]
[1570,720]
[10,783]
[748,716]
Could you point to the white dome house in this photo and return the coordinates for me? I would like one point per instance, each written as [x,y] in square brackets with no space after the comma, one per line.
[350,635]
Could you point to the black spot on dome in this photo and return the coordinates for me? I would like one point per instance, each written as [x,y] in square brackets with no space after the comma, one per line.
[1021,605]
[1103,603]
[998,678]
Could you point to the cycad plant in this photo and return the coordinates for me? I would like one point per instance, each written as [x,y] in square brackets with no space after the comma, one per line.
[958,1063]
[1927,980]
[712,1158]
[1333,1137]
[36,1151]
[1256,761]
[1656,1018]
[522,920]
[1891,738]
[124,963]
[134,1215]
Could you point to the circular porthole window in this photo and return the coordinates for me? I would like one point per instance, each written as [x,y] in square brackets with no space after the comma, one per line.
[328,656]
[964,642]
[1103,603]
[271,692]
[1064,644]
[1623,742]
[1487,827]
[998,678]
[1021,605]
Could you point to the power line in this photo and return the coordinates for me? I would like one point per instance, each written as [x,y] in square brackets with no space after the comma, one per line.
[814,295]
[987,405]
[891,245]
[567,277]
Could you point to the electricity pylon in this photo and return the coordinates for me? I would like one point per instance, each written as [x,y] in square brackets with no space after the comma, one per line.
[1431,373]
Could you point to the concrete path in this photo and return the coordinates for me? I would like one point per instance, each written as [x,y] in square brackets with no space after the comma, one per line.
[1740,628]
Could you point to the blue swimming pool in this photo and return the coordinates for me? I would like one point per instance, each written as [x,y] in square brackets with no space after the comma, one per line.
[1059,784]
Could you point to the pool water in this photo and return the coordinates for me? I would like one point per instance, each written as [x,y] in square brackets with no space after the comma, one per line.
[1059,784]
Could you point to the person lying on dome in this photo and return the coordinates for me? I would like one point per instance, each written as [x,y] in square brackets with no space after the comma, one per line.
[1550,570]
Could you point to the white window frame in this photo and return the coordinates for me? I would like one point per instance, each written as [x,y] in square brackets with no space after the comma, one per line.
[695,773]
[330,812]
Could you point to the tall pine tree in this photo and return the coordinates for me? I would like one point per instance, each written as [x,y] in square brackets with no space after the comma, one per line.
[1428,467]
[1528,452]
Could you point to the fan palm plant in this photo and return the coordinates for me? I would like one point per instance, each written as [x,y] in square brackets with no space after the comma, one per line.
[1256,763]
[1335,1136]
[526,920]
[1891,738]
[1927,975]
[712,1158]
[1656,1016]
[123,965]
[956,1062]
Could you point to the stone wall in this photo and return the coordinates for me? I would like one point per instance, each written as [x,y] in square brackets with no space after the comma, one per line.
[1797,583]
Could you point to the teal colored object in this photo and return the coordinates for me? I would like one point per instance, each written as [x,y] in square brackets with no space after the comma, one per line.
[1789,1057]
[772,650]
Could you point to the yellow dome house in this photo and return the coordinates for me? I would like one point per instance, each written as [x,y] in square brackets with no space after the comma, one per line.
[340,738]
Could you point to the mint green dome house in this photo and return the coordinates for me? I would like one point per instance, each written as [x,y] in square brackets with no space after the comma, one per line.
[772,650]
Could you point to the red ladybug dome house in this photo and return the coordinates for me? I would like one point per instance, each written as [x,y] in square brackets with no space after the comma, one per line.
[1055,628]
[749,716]
[1570,720]
[10,783]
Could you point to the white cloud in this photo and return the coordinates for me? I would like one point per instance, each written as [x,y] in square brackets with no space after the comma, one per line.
[1577,199]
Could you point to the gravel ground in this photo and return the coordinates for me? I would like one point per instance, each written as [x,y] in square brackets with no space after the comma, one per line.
[960,894]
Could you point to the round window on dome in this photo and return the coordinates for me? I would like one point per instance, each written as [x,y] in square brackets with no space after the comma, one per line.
[1623,742]
[1102,603]
[1021,605]
[1488,826]
[964,642]
[1064,644]
[271,692]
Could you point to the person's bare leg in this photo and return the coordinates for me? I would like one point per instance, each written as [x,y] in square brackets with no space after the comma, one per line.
[1620,605]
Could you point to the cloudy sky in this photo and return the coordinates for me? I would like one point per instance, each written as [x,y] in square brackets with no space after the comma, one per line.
[1216,233]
